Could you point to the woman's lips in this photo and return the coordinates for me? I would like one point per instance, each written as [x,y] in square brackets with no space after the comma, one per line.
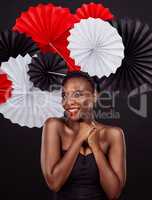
[73,111]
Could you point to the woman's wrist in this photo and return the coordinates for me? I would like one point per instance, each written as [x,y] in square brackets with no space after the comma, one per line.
[79,140]
[94,146]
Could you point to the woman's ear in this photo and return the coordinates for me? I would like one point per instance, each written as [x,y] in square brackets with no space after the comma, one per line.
[95,96]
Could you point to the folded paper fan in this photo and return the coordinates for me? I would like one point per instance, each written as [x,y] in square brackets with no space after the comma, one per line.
[28,105]
[94,10]
[96,46]
[48,25]
[136,68]
[47,71]
[13,43]
[5,88]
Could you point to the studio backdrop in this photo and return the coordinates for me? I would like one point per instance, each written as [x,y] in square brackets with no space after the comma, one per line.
[130,108]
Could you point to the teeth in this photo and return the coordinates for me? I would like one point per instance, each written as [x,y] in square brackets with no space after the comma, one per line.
[72,110]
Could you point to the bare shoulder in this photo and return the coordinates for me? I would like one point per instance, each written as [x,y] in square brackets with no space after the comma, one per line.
[54,122]
[111,133]
[115,134]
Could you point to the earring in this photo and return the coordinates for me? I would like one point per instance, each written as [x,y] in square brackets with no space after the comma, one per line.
[65,116]
[95,102]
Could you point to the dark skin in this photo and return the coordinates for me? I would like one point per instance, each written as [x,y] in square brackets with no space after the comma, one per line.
[78,129]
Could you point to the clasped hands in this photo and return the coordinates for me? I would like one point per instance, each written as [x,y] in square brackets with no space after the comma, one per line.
[89,134]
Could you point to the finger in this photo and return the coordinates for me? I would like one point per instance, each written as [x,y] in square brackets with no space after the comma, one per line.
[93,123]
[92,129]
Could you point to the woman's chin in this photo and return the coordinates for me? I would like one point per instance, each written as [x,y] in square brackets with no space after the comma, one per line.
[76,116]
[73,116]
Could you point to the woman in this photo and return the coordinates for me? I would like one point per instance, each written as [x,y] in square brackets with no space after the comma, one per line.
[80,157]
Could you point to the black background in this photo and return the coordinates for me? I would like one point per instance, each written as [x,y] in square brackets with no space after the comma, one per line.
[21,176]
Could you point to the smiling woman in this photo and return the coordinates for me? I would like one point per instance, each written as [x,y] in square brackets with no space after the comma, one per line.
[77,96]
[80,157]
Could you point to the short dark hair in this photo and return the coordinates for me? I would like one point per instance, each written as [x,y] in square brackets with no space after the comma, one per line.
[81,74]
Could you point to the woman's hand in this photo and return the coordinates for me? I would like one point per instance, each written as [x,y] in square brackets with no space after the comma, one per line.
[85,130]
[93,139]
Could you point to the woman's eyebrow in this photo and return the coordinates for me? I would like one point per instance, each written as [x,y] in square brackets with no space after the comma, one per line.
[74,91]
[79,90]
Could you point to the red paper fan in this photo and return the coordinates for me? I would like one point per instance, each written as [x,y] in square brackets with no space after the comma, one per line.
[5,88]
[48,25]
[70,62]
[95,11]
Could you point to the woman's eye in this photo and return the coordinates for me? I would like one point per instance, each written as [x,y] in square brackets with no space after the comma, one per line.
[63,96]
[77,94]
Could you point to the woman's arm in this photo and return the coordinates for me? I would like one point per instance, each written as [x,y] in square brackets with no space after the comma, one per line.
[56,169]
[112,172]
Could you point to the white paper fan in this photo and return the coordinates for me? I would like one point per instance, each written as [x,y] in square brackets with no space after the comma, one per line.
[28,106]
[96,46]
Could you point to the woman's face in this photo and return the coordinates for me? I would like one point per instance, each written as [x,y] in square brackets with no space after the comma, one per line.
[77,98]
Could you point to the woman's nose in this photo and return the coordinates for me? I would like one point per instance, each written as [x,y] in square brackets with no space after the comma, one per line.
[71,101]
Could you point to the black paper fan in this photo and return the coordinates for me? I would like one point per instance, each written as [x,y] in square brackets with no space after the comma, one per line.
[47,71]
[14,43]
[136,68]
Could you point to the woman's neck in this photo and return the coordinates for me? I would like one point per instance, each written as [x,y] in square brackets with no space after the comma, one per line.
[75,125]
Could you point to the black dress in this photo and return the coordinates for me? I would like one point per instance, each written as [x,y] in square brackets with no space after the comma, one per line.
[83,182]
